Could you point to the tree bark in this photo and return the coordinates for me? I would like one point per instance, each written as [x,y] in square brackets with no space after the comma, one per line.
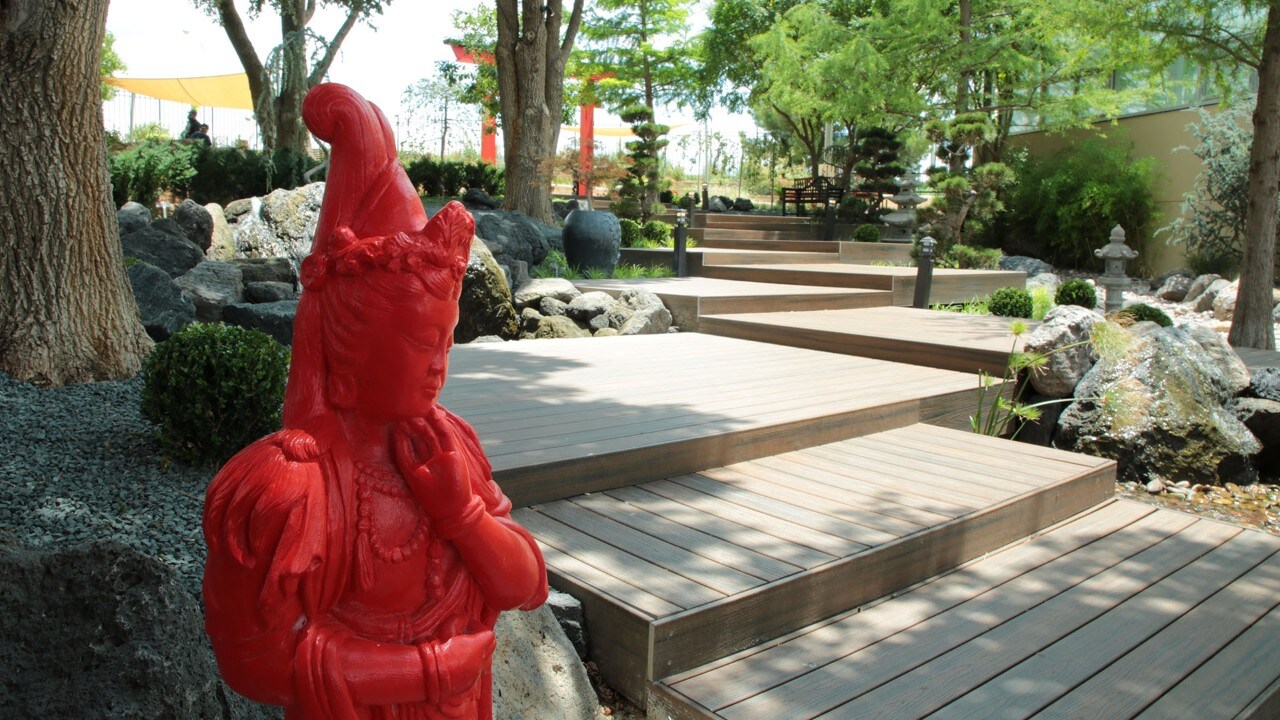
[531,56]
[67,312]
[1252,324]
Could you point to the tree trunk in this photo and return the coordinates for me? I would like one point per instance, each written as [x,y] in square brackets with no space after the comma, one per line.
[67,313]
[291,133]
[956,163]
[1252,324]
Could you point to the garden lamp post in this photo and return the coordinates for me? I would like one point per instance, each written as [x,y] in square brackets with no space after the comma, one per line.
[706,196]
[1115,254]
[828,219]
[679,261]
[924,272]
[691,203]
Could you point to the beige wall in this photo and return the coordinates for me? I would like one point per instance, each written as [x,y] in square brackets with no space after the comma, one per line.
[1155,135]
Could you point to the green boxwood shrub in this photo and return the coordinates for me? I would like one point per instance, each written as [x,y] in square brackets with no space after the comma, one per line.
[866,233]
[656,232]
[213,389]
[632,232]
[1076,292]
[1011,302]
[976,258]
[1139,312]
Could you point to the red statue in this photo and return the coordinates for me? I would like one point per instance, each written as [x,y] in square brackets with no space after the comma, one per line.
[359,558]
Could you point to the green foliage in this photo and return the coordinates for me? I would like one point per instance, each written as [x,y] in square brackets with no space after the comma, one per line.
[641,46]
[223,174]
[638,189]
[631,271]
[866,233]
[1140,312]
[631,232]
[555,264]
[1041,301]
[976,306]
[143,171]
[1076,291]
[148,132]
[974,258]
[213,389]
[657,232]
[1067,202]
[872,153]
[1011,302]
[434,178]
[1000,403]
[109,63]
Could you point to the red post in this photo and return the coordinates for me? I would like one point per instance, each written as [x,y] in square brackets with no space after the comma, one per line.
[587,147]
[489,139]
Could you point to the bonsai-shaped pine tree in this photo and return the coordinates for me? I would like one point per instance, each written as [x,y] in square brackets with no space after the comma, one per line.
[638,190]
[874,155]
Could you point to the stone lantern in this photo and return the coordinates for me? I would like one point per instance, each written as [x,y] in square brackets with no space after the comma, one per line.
[1115,254]
[902,221]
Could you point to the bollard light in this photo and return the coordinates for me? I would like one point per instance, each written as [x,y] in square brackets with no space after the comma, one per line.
[679,260]
[828,219]
[924,272]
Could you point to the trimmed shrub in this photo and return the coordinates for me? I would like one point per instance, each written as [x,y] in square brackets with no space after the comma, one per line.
[656,232]
[213,389]
[1076,292]
[1139,312]
[976,258]
[632,232]
[140,173]
[867,233]
[1011,302]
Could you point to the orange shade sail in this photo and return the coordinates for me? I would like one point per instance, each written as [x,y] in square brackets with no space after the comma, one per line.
[222,91]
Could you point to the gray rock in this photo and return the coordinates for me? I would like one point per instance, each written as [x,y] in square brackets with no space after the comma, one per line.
[1040,432]
[485,306]
[1063,325]
[650,316]
[559,326]
[1174,288]
[268,291]
[132,216]
[162,307]
[171,253]
[743,205]
[589,305]
[618,315]
[279,225]
[1262,417]
[274,319]
[1224,303]
[606,332]
[532,292]
[512,237]
[267,270]
[477,198]
[1230,368]
[1204,303]
[567,610]
[598,323]
[1028,265]
[212,285]
[1198,286]
[222,243]
[196,223]
[1159,409]
[1049,280]
[536,673]
[529,320]
[1183,272]
[1264,383]
[237,208]
[716,204]
[552,307]
[101,630]
[487,339]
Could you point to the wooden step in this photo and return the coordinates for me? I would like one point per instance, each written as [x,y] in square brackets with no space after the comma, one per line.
[815,234]
[691,298]
[699,257]
[730,239]
[563,417]
[952,341]
[686,570]
[861,253]
[753,221]
[949,286]
[1124,611]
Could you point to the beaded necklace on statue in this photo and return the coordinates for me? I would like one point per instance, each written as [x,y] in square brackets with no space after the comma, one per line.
[378,479]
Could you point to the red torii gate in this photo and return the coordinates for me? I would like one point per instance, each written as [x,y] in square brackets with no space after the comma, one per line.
[489,125]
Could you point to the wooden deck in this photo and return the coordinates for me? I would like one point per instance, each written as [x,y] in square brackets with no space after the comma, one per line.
[948,285]
[564,417]
[690,298]
[866,253]
[1125,611]
[952,341]
[685,570]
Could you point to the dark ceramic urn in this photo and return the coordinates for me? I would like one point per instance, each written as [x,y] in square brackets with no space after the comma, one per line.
[592,239]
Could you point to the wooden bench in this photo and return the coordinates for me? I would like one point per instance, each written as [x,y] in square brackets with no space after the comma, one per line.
[811,191]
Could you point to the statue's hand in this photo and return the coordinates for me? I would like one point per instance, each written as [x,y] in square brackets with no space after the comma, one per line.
[462,658]
[441,482]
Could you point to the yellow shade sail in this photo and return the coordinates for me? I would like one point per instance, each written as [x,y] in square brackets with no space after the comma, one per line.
[618,132]
[224,91]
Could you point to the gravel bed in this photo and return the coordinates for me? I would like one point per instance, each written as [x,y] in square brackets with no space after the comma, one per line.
[79,463]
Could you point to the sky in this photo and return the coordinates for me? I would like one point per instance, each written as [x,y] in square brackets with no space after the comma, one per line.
[401,47]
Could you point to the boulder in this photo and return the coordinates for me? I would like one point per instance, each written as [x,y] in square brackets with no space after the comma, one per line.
[222,242]
[195,222]
[171,253]
[606,332]
[552,307]
[279,225]
[274,319]
[212,285]
[1174,288]
[1204,302]
[590,305]
[529,320]
[1265,384]
[1262,417]
[1028,265]
[536,673]
[598,323]
[132,217]
[726,201]
[649,315]
[269,291]
[1198,286]
[485,306]
[162,307]
[532,292]
[236,208]
[1159,410]
[717,204]
[267,270]
[1224,303]
[1064,325]
[512,237]
[559,326]
[477,198]
[1234,374]
[567,610]
[101,630]
[1049,280]
[1162,279]
[743,205]
[1040,432]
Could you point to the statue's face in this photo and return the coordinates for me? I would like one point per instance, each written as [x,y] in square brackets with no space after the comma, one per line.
[408,357]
